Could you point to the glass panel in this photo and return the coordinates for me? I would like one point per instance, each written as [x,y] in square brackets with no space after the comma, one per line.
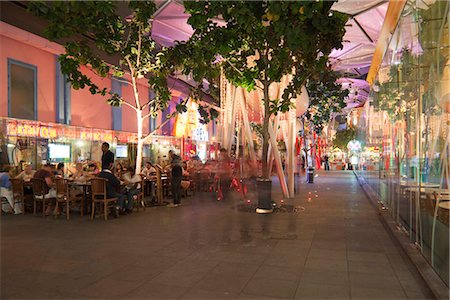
[22,91]
[405,130]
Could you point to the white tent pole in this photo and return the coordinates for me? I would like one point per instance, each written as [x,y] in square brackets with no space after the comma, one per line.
[232,128]
[248,130]
[276,129]
[278,165]
[291,150]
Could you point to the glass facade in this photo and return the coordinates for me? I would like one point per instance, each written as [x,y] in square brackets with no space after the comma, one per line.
[404,128]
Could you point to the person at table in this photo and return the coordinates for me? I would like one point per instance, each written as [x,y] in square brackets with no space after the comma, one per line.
[6,192]
[119,170]
[59,170]
[149,170]
[113,188]
[133,185]
[79,174]
[177,176]
[45,174]
[93,169]
[26,174]
[107,156]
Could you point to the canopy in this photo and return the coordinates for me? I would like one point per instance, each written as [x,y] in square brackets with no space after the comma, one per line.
[362,32]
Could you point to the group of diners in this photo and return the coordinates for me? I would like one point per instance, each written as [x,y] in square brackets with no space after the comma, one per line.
[121,183]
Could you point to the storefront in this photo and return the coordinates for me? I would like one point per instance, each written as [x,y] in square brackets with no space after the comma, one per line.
[196,137]
[38,143]
[405,130]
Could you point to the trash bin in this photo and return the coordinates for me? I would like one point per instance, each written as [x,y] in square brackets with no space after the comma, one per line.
[310,175]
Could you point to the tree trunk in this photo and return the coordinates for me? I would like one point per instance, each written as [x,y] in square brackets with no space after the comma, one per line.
[140,141]
[265,132]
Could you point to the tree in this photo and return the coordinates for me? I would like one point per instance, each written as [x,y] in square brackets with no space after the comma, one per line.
[259,42]
[95,35]
[326,96]
[343,137]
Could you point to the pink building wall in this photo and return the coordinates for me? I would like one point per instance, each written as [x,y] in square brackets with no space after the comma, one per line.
[87,110]
[45,63]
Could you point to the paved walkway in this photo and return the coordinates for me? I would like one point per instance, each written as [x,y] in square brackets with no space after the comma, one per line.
[333,246]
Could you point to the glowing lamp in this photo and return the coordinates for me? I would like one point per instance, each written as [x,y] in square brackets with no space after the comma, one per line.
[354,146]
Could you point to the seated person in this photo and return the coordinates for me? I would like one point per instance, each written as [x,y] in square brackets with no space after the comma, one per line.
[113,188]
[59,170]
[149,170]
[133,185]
[119,170]
[26,174]
[6,192]
[45,173]
[93,169]
[80,174]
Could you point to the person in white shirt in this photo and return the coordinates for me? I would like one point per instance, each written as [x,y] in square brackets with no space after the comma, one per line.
[80,174]
[149,170]
[26,174]
[133,185]
[6,192]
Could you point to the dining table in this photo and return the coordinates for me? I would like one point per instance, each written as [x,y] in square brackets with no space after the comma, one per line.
[85,185]
[444,204]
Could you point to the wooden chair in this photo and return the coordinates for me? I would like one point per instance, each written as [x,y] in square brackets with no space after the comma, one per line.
[139,200]
[63,196]
[39,194]
[98,193]
[18,193]
[442,213]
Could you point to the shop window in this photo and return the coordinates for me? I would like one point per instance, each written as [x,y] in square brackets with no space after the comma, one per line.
[62,96]
[22,90]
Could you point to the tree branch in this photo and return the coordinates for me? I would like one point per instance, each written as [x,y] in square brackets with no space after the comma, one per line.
[154,131]
[163,123]
[146,116]
[237,70]
[128,104]
[149,102]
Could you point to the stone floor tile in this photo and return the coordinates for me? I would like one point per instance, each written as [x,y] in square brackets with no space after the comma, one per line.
[322,264]
[280,273]
[177,278]
[293,261]
[328,254]
[360,293]
[109,288]
[322,291]
[329,277]
[235,269]
[271,288]
[368,256]
[370,267]
[219,283]
[156,291]
[374,280]
[203,294]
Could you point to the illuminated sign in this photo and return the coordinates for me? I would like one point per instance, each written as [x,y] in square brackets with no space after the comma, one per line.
[31,130]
